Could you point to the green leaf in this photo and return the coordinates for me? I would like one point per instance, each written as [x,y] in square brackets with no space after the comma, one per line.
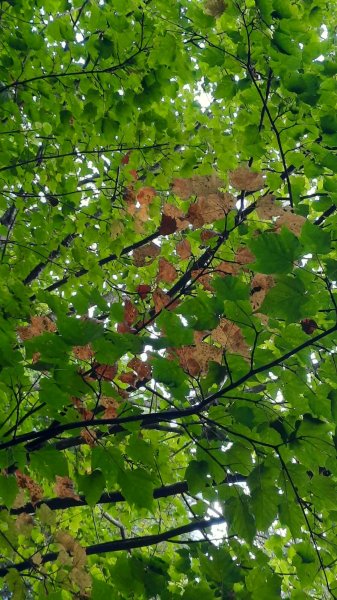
[8,489]
[137,487]
[315,239]
[287,300]
[275,253]
[195,475]
[79,332]
[92,486]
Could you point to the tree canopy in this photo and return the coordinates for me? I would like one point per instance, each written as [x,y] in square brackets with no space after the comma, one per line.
[168,305]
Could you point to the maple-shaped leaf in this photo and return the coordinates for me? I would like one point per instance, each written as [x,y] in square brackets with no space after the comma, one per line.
[145,254]
[166,271]
[230,337]
[38,326]
[243,178]
[198,185]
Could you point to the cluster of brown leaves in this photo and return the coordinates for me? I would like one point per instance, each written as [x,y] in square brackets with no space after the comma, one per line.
[38,326]
[110,407]
[25,482]
[89,436]
[73,555]
[141,371]
[138,204]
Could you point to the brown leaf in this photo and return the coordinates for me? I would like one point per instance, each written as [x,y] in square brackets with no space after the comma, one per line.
[160,299]
[230,337]
[226,268]
[167,225]
[210,208]
[129,378]
[89,437]
[149,251]
[166,271]
[64,488]
[203,279]
[143,290]
[293,222]
[145,195]
[111,407]
[198,185]
[195,359]
[266,207]
[142,368]
[27,483]
[175,213]
[38,326]
[106,372]
[83,352]
[207,234]
[244,179]
[130,312]
[183,249]
[244,256]
[309,326]
[259,286]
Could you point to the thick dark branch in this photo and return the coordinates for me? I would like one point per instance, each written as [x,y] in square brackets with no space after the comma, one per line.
[165,491]
[126,544]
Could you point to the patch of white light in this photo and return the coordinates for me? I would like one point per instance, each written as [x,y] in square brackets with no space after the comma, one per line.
[279,397]
[313,358]
[204,98]
[272,376]
[79,37]
[324,32]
